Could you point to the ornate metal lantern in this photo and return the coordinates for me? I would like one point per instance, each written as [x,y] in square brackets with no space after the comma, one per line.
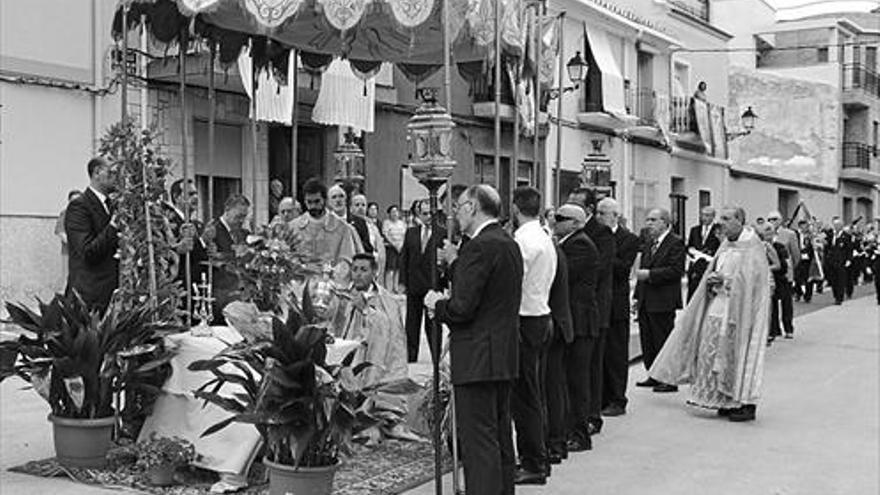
[349,161]
[577,69]
[596,168]
[748,119]
[429,133]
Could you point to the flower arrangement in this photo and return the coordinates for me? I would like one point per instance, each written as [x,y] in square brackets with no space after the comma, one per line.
[160,452]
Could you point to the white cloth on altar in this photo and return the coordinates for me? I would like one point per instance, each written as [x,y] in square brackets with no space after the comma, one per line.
[345,99]
[274,100]
[178,413]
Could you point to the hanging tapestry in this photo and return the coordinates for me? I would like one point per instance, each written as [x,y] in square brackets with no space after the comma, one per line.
[272,13]
[343,14]
[411,13]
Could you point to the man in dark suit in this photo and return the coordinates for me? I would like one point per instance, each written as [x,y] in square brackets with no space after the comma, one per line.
[555,385]
[838,257]
[483,318]
[92,237]
[419,243]
[583,266]
[658,290]
[803,286]
[703,238]
[616,350]
[337,200]
[221,236]
[187,234]
[602,237]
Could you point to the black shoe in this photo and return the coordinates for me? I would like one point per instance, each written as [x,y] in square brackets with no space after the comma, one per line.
[743,414]
[838,302]
[650,382]
[789,335]
[725,412]
[665,388]
[555,458]
[614,410]
[578,445]
[594,427]
[524,477]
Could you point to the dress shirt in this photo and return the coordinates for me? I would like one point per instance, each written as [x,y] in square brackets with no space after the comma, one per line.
[539,268]
[102,198]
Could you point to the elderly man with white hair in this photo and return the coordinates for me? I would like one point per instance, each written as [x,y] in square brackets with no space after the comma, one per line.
[337,201]
[615,350]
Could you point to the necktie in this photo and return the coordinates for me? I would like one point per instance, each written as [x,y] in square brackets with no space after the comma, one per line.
[109,206]
[426,234]
[654,247]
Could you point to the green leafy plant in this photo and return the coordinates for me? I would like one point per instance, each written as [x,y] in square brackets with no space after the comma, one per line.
[76,360]
[158,452]
[305,410]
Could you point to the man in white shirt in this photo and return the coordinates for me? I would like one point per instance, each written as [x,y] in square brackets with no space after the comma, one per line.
[539,269]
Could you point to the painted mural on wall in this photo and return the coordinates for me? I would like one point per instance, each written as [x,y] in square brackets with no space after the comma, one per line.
[797,134]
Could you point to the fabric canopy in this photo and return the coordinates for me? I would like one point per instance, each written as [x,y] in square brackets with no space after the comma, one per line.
[406,32]
[612,79]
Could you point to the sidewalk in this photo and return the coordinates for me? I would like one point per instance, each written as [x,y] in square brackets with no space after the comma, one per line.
[817,432]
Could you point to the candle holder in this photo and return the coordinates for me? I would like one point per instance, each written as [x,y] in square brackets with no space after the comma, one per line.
[203,299]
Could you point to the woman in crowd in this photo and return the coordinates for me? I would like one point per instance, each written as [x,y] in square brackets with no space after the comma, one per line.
[393,230]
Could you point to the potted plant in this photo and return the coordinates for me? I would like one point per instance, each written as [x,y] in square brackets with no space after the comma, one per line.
[77,362]
[159,457]
[305,410]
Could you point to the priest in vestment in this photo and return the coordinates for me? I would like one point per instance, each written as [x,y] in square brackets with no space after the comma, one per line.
[371,315]
[319,234]
[719,340]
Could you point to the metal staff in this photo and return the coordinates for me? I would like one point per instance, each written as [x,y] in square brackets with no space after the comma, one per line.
[124,63]
[254,133]
[294,127]
[561,74]
[539,21]
[212,110]
[498,93]
[184,42]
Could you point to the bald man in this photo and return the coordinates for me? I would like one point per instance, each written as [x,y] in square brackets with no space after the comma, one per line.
[703,238]
[658,291]
[337,200]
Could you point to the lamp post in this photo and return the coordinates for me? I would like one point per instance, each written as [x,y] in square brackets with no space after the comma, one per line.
[748,120]
[429,134]
[577,69]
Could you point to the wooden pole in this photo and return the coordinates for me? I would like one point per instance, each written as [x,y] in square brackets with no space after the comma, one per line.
[124,63]
[560,76]
[212,110]
[539,48]
[498,94]
[294,126]
[254,136]
[184,147]
[145,115]
[514,161]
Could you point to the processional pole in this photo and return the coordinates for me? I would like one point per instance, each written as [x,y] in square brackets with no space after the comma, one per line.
[294,127]
[145,120]
[184,131]
[254,135]
[498,93]
[453,423]
[539,48]
[560,76]
[123,63]
[212,107]
[514,83]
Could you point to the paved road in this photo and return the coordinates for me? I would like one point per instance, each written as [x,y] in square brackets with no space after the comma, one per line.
[817,432]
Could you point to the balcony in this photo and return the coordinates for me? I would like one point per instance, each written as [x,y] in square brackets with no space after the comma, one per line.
[859,84]
[857,158]
[698,9]
[483,96]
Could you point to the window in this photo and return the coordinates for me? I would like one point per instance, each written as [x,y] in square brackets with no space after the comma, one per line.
[525,174]
[644,198]
[223,188]
[822,55]
[857,55]
[871,58]
[705,199]
[787,202]
[874,136]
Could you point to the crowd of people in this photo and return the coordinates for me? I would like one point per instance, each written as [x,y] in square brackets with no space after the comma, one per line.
[538,307]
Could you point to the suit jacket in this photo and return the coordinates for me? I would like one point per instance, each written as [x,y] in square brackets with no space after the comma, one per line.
[661,292]
[415,264]
[627,246]
[560,304]
[710,245]
[789,239]
[197,255]
[837,253]
[483,310]
[92,241]
[225,282]
[583,267]
[805,245]
[603,238]
[360,226]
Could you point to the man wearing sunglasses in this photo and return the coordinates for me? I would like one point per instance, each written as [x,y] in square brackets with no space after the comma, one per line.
[583,267]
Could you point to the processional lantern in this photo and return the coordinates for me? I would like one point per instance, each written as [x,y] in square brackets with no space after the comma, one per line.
[429,133]
[349,161]
[596,168]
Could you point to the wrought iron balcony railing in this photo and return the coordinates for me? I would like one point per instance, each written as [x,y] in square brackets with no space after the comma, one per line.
[694,8]
[857,76]
[857,155]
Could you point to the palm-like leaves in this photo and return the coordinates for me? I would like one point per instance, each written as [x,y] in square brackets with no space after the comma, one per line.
[70,342]
[284,388]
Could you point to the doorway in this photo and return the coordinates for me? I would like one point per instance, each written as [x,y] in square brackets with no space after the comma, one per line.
[309,151]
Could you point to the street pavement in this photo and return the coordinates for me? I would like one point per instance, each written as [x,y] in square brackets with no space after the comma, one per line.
[817,431]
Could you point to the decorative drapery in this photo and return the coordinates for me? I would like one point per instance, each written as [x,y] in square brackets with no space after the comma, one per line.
[274,99]
[270,13]
[345,100]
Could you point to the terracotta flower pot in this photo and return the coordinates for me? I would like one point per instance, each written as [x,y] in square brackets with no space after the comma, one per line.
[285,479]
[162,475]
[82,442]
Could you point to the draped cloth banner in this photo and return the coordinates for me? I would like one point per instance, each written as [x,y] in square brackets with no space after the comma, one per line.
[274,100]
[345,99]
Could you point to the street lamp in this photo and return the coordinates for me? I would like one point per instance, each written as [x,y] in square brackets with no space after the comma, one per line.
[577,69]
[748,119]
